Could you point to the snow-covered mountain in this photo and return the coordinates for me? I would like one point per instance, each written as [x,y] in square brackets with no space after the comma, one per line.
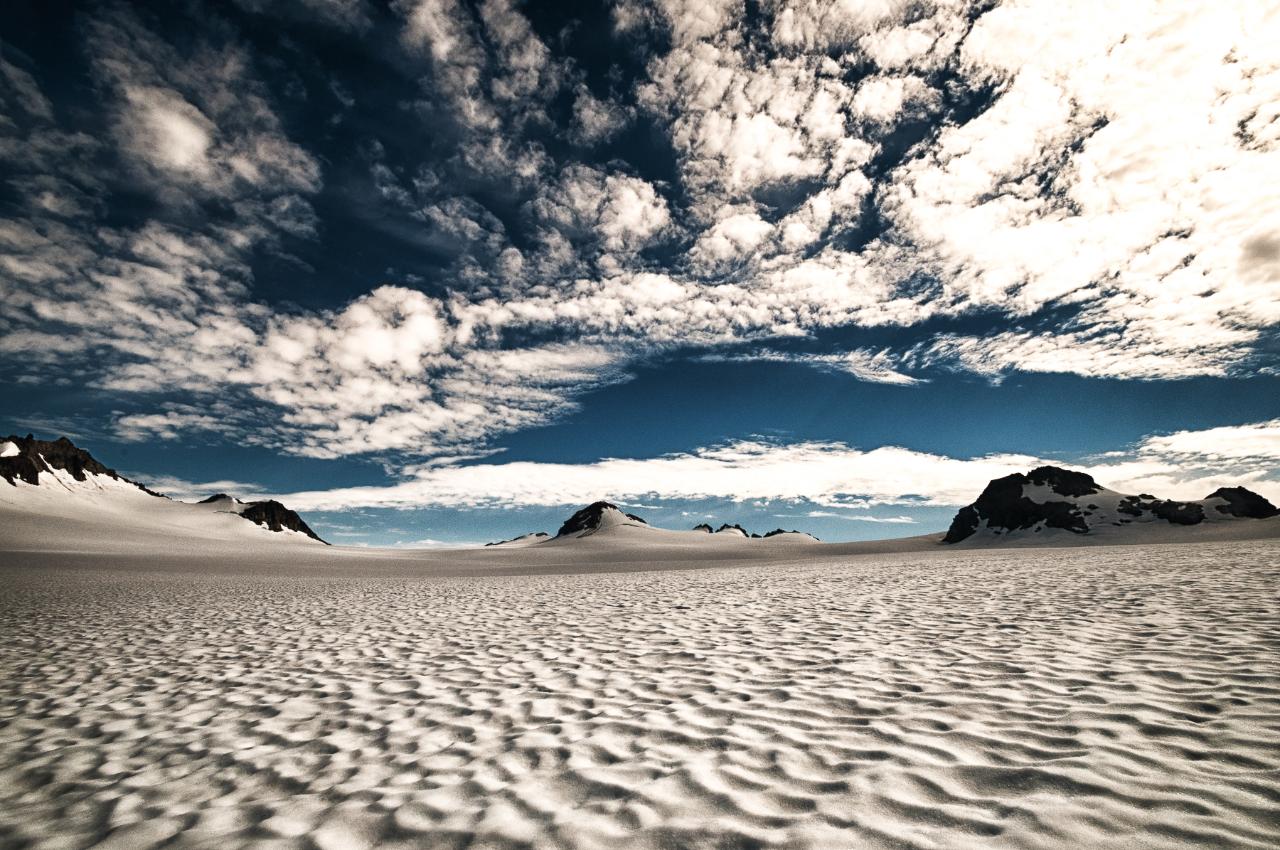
[57,480]
[1053,501]
[596,517]
[606,522]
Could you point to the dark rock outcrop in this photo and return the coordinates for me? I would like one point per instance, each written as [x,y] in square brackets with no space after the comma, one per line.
[1244,503]
[277,517]
[735,527]
[36,456]
[1064,482]
[216,497]
[702,526]
[588,518]
[1178,513]
[1004,507]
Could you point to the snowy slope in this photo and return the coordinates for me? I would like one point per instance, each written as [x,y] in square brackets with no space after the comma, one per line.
[55,496]
[530,539]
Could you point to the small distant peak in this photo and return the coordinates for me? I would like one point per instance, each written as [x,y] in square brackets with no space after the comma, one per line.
[217,497]
[703,527]
[726,528]
[778,531]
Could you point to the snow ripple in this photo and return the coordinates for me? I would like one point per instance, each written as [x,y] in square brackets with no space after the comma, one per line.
[1119,698]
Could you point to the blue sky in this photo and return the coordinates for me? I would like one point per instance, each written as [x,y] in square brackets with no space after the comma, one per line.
[439,271]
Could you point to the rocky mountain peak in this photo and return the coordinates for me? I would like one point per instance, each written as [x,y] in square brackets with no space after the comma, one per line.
[277,517]
[1066,482]
[592,517]
[24,458]
[1050,497]
[1244,503]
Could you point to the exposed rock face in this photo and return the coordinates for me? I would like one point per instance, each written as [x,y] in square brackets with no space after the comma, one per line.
[589,518]
[702,526]
[35,456]
[1178,513]
[1065,482]
[726,527]
[277,517]
[1003,505]
[1244,503]
[1050,497]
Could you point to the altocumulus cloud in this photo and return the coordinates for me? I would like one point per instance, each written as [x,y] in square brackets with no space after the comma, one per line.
[1103,181]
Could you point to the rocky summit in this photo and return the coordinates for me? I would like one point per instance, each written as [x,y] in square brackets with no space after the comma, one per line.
[593,517]
[1050,497]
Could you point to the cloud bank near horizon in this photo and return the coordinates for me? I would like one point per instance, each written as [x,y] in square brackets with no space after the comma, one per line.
[1183,465]
[1100,184]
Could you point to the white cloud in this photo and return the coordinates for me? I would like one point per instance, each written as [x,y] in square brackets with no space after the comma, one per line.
[691,20]
[168,131]
[882,98]
[1122,176]
[623,213]
[597,120]
[1112,173]
[1191,464]
[877,367]
[733,236]
[1257,443]
[818,25]
[891,520]
[1186,465]
[193,491]
[825,473]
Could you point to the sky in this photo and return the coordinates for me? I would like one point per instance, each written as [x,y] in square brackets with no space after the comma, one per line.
[435,272]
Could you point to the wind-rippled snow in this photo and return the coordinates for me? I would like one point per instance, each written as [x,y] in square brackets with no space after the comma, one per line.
[1105,698]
